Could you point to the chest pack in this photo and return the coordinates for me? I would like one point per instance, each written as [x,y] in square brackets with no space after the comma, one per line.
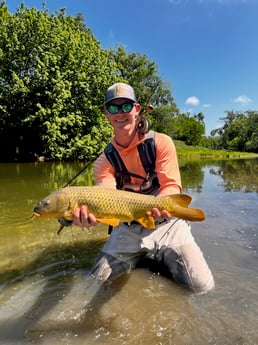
[147,153]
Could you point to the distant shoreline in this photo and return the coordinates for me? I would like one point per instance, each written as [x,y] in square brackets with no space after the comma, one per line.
[198,152]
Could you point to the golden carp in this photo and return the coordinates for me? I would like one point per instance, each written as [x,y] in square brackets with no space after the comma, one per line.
[111,206]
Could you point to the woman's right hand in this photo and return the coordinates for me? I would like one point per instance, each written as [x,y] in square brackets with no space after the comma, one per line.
[82,217]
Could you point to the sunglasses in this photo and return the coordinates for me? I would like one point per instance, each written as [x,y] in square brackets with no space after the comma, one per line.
[125,108]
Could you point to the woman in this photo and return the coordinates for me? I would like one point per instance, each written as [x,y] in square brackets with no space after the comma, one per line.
[171,243]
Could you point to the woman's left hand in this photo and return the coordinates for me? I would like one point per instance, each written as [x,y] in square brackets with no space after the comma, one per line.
[159,215]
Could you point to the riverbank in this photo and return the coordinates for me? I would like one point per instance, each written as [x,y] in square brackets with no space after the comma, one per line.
[199,152]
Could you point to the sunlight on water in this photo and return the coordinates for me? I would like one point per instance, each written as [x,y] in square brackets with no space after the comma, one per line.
[47,297]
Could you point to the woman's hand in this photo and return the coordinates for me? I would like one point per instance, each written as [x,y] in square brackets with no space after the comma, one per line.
[159,215]
[83,218]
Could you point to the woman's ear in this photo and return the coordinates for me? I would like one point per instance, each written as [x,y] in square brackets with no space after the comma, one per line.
[138,107]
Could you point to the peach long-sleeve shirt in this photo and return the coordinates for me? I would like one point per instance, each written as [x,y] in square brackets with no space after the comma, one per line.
[167,168]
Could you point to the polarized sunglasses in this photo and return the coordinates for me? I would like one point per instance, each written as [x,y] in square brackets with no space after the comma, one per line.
[125,108]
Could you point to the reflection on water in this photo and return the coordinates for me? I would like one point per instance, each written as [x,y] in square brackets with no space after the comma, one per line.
[47,298]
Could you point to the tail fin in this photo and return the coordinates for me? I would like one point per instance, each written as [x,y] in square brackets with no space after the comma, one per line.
[181,210]
[191,214]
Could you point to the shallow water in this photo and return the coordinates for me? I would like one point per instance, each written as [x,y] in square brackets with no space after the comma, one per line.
[45,294]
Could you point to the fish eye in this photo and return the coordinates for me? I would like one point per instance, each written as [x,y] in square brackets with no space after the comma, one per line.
[46,203]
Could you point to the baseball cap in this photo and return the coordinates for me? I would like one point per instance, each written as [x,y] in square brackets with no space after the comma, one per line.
[120,90]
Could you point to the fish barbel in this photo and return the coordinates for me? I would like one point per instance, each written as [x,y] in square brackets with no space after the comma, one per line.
[111,206]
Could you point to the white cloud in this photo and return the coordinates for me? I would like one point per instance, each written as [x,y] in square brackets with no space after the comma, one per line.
[192,100]
[242,99]
[207,105]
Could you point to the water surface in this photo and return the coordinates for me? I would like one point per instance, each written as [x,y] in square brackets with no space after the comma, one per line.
[44,293]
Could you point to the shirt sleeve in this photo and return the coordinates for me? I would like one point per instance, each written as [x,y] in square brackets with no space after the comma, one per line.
[104,174]
[167,167]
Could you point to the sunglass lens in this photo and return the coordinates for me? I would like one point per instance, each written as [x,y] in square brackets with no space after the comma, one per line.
[127,107]
[112,109]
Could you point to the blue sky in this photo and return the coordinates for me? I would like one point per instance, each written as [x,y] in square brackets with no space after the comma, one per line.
[207,50]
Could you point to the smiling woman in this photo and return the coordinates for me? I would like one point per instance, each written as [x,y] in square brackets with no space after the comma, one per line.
[131,240]
[122,109]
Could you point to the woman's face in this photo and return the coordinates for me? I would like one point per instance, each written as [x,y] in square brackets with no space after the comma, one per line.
[125,114]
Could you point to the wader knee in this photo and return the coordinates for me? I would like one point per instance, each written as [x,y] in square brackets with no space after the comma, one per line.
[200,276]
[188,266]
[108,267]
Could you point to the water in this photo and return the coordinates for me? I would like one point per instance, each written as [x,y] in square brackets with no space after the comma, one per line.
[45,297]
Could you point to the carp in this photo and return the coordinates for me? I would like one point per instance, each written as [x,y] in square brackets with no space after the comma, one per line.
[111,206]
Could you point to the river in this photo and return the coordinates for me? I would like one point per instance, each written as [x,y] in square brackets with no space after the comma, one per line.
[44,298]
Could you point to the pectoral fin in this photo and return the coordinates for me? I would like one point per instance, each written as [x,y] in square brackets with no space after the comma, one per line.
[109,221]
[147,222]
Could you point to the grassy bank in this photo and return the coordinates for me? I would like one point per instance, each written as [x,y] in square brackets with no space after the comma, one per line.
[185,151]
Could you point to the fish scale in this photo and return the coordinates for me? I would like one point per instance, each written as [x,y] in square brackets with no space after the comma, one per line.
[110,206]
[101,201]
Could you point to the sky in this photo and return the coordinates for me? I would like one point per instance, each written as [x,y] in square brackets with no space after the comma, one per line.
[206,50]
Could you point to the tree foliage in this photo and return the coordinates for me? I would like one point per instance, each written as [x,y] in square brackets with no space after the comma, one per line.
[239,132]
[189,129]
[53,75]
[142,74]
[53,78]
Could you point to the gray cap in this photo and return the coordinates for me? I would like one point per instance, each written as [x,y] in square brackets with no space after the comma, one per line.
[120,90]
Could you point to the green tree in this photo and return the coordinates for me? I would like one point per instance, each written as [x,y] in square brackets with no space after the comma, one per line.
[239,132]
[213,143]
[53,75]
[189,129]
[251,143]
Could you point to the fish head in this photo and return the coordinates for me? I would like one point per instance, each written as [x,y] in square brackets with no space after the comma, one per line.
[52,206]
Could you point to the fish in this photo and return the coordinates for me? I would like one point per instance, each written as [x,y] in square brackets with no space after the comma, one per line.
[112,206]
